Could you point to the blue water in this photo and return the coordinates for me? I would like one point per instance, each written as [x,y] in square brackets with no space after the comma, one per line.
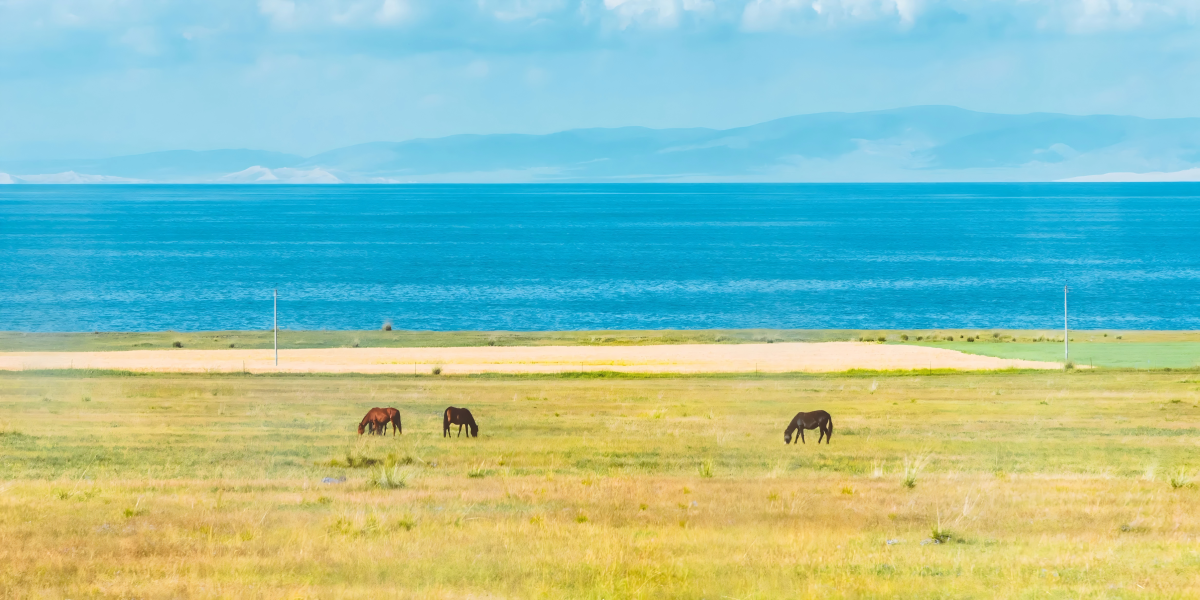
[524,257]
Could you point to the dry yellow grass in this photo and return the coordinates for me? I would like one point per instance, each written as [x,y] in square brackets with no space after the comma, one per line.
[1048,484]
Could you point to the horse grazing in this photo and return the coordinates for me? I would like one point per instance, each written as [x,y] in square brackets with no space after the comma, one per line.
[394,419]
[817,419]
[460,417]
[377,419]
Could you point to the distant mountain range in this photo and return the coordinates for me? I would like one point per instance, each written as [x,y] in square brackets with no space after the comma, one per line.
[923,143]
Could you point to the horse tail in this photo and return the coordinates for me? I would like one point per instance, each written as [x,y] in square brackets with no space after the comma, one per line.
[446,422]
[829,434]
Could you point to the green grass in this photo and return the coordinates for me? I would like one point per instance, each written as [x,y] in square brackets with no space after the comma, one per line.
[212,340]
[1036,484]
[1136,355]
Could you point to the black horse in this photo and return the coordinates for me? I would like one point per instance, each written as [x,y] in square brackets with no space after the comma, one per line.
[818,419]
[460,417]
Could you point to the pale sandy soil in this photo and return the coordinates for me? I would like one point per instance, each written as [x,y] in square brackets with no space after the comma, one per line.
[684,358]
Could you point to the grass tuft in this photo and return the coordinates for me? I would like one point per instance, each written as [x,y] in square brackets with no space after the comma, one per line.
[912,468]
[394,478]
[1181,479]
[706,468]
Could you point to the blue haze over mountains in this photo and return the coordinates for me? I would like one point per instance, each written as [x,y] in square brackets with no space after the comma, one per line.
[925,143]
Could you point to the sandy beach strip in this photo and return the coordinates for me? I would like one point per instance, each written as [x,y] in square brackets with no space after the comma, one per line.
[683,358]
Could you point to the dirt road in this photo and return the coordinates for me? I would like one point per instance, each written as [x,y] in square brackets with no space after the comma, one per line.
[688,358]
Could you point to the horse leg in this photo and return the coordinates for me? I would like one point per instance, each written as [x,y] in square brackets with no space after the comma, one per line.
[802,435]
[460,430]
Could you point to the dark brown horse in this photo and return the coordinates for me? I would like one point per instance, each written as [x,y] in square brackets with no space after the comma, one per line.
[817,419]
[460,417]
[394,419]
[377,419]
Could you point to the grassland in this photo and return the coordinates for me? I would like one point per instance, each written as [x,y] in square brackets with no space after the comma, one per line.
[1049,484]
[16,341]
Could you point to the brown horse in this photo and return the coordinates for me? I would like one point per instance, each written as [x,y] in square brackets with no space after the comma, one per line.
[377,419]
[818,419]
[394,419]
[460,417]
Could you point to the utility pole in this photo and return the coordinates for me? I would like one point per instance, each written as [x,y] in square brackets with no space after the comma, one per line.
[1066,330]
[277,327]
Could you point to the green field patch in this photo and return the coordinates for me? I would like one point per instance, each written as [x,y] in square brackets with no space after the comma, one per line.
[1133,355]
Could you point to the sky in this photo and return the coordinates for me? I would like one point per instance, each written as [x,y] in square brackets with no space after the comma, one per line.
[96,78]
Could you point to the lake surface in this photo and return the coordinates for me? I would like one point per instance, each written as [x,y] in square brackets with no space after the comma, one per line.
[614,256]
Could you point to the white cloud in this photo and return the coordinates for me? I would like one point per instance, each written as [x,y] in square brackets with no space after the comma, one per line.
[323,14]
[392,11]
[663,13]
[1070,16]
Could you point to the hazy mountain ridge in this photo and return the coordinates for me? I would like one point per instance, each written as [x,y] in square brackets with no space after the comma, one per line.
[924,143]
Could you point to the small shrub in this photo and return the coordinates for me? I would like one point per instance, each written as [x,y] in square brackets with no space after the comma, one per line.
[904,337]
[882,338]
[706,469]
[919,338]
[437,370]
[387,326]
[849,491]
[477,472]
[939,534]
[355,461]
[581,518]
[1069,365]
[177,344]
[995,336]
[949,338]
[971,339]
[89,399]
